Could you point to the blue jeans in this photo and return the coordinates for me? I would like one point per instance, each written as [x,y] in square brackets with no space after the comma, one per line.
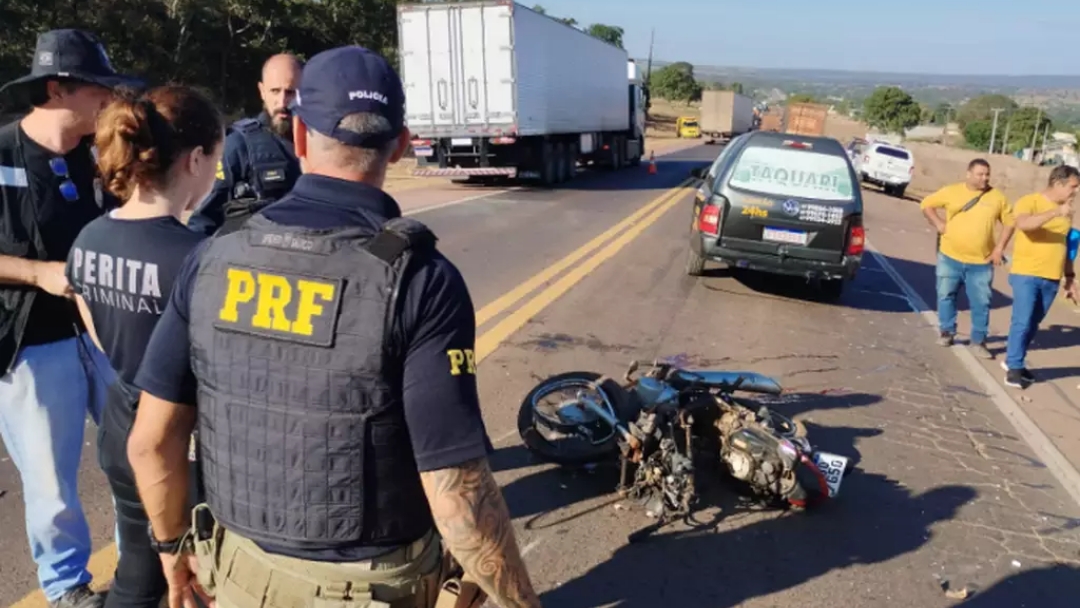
[1032,297]
[976,279]
[44,401]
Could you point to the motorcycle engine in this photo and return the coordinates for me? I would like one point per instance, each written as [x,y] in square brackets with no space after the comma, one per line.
[757,457]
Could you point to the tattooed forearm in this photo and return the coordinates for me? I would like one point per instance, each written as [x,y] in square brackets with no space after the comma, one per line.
[472,517]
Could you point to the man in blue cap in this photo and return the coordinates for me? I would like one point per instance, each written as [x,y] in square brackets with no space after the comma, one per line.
[324,351]
[53,374]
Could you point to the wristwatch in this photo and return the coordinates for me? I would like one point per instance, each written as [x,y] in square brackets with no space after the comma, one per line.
[168,546]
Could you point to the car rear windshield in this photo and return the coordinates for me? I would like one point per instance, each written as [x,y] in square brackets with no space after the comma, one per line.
[893,152]
[793,173]
[690,123]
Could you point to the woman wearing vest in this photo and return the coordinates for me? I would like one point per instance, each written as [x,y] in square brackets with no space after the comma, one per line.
[157,153]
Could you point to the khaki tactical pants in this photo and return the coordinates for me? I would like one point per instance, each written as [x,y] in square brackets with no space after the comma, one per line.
[238,574]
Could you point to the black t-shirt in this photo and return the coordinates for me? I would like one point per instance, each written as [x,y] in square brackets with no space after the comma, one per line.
[60,221]
[124,270]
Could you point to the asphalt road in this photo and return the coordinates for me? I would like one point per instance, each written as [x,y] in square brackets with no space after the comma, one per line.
[945,493]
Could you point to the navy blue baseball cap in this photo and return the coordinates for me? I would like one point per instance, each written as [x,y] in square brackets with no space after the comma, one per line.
[348,80]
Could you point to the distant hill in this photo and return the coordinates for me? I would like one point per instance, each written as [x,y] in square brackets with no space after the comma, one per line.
[841,77]
[1059,95]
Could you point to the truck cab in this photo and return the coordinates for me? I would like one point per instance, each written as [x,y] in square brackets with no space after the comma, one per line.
[687,127]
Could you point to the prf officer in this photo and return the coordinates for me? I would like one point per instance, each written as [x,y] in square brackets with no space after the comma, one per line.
[335,437]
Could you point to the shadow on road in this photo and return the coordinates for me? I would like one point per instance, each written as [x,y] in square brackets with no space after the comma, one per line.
[922,277]
[669,172]
[1055,586]
[874,520]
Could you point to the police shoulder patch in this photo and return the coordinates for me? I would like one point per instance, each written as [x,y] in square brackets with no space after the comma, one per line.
[220,172]
[285,306]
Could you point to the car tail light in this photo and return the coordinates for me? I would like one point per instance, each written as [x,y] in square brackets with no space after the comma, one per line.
[911,171]
[709,219]
[856,240]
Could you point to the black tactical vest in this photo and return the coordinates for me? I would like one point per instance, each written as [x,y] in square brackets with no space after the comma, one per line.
[272,171]
[301,426]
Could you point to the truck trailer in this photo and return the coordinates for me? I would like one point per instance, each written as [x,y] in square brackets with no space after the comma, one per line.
[725,114]
[495,89]
[805,118]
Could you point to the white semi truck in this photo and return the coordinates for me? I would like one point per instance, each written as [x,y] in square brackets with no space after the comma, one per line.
[493,88]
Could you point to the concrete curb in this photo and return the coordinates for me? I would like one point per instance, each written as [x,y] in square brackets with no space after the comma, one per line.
[1044,447]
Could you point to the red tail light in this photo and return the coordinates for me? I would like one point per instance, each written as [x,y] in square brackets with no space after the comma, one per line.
[856,241]
[911,170]
[709,219]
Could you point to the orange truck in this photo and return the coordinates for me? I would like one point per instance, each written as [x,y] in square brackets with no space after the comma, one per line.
[805,119]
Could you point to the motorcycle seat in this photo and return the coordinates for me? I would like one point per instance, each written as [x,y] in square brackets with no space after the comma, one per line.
[752,382]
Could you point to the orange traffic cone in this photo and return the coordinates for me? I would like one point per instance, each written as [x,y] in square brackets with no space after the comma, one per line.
[652,163]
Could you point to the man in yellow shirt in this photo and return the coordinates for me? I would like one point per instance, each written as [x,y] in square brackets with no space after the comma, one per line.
[967,251]
[1040,260]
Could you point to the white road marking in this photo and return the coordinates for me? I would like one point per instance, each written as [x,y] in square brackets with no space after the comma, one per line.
[1044,447]
[458,201]
[529,547]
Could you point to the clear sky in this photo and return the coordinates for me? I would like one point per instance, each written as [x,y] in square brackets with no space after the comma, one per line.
[1014,37]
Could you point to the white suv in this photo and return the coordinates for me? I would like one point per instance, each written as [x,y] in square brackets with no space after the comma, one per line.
[890,166]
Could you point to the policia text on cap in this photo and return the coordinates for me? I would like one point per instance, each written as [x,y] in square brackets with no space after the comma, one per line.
[326,358]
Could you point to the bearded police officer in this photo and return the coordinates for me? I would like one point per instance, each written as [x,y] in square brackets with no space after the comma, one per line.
[327,348]
[259,164]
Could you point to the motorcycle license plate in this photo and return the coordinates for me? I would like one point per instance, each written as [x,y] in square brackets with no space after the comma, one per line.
[832,467]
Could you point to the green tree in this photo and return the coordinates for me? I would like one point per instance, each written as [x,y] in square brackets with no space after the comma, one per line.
[942,113]
[977,134]
[543,11]
[891,109]
[673,83]
[737,87]
[1023,124]
[981,108]
[608,33]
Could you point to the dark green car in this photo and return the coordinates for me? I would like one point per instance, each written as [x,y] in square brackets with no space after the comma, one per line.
[783,204]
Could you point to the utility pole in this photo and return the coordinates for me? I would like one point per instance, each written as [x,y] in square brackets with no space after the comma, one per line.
[1035,134]
[648,68]
[1046,133]
[993,131]
[648,75]
[1005,142]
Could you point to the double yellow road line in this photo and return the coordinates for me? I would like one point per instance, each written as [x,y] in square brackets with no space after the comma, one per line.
[102,563]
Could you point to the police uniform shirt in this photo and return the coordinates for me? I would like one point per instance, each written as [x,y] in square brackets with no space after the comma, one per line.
[59,222]
[437,328]
[235,166]
[124,269]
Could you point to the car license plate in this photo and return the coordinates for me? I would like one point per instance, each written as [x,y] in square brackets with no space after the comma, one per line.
[832,467]
[422,150]
[461,141]
[781,235]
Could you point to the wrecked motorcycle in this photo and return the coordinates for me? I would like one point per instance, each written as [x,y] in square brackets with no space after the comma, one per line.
[658,423]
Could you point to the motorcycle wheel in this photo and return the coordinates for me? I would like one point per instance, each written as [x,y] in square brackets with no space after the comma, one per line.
[812,489]
[536,432]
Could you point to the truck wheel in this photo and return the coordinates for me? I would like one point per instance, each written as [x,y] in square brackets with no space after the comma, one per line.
[571,161]
[899,191]
[560,163]
[547,165]
[695,264]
